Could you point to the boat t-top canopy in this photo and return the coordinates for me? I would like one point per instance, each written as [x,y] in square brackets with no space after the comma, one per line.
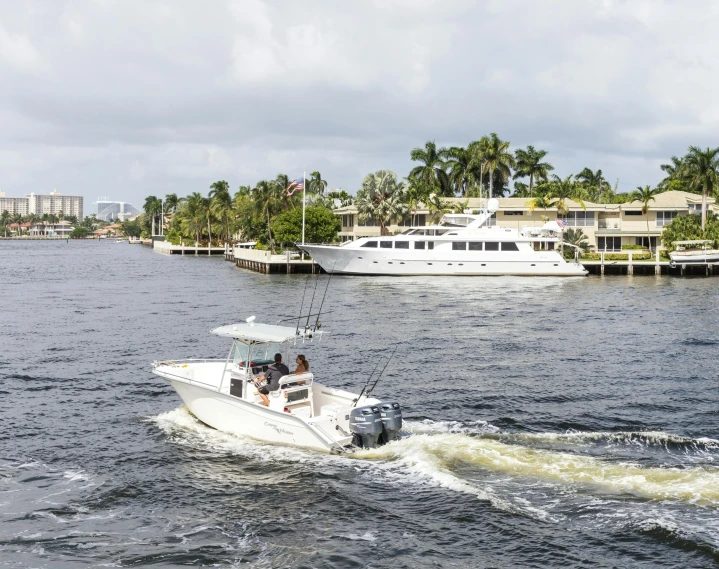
[249,332]
[694,242]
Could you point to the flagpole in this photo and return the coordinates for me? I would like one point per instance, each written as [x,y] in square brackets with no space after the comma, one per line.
[304,193]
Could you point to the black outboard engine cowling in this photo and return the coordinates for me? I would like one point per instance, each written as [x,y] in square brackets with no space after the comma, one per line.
[366,425]
[391,414]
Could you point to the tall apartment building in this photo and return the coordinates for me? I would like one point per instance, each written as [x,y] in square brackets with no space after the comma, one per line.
[43,203]
[55,203]
[13,205]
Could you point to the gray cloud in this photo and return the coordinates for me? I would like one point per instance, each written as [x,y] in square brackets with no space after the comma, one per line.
[137,97]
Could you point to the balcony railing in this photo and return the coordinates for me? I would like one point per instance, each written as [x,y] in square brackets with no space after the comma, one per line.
[610,224]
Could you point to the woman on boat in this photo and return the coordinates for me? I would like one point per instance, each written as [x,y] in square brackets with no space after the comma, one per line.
[303,366]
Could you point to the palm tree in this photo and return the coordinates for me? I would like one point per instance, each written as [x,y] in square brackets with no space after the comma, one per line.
[152,207]
[702,170]
[382,198]
[529,163]
[192,215]
[437,207]
[674,173]
[221,205]
[432,173]
[521,190]
[577,237]
[316,184]
[464,170]
[594,183]
[497,158]
[560,190]
[540,201]
[645,195]
[171,202]
[268,200]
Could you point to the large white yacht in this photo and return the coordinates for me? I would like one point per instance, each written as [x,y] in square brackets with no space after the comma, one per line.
[462,244]
[223,394]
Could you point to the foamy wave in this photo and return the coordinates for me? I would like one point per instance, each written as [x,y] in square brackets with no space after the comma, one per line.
[434,454]
[469,427]
[658,439]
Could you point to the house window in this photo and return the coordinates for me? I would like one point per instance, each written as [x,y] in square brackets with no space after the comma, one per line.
[578,218]
[695,208]
[348,220]
[385,244]
[406,222]
[459,245]
[513,213]
[419,244]
[420,219]
[643,242]
[609,243]
[369,222]
[475,245]
[509,246]
[665,217]
[491,246]
[370,244]
[401,244]
[633,213]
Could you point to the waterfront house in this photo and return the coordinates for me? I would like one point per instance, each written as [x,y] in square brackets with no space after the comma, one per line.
[44,229]
[607,226]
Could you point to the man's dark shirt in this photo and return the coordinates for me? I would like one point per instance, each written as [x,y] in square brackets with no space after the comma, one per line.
[273,375]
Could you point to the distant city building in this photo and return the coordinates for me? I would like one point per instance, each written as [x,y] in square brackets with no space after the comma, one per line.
[13,205]
[54,203]
[107,210]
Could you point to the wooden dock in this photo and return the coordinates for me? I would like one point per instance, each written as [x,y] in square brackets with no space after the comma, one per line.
[167,248]
[265,262]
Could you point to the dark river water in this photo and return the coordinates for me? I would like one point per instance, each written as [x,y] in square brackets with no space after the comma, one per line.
[552,423]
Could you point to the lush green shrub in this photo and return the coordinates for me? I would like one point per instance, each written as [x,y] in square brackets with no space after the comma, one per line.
[321,226]
[79,233]
[689,227]
[174,238]
[634,247]
[616,257]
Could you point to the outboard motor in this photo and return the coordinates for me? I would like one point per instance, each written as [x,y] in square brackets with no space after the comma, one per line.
[366,426]
[391,415]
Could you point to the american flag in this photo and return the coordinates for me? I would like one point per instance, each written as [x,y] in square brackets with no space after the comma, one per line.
[295,186]
[561,223]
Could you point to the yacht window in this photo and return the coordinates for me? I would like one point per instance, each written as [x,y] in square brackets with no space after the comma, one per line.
[385,244]
[430,244]
[401,244]
[407,232]
[459,245]
[491,246]
[419,244]
[509,246]
[475,245]
[370,244]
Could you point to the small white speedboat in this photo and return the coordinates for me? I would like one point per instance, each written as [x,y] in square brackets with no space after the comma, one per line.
[693,252]
[222,394]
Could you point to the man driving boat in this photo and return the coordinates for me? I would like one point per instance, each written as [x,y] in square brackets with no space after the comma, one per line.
[274,372]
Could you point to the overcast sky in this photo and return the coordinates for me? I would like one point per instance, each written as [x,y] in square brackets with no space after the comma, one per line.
[130,98]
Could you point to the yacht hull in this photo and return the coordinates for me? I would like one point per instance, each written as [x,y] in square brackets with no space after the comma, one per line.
[238,417]
[357,261]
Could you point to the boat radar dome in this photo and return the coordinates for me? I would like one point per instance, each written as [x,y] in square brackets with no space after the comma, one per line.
[493,204]
[250,320]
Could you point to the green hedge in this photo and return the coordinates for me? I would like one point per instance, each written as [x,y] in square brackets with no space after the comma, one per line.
[634,247]
[616,257]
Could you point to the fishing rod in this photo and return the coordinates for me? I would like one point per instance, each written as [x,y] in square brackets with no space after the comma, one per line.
[289,318]
[389,359]
[366,391]
[307,324]
[317,322]
[299,316]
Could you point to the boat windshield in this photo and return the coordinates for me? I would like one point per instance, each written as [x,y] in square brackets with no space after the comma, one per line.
[261,354]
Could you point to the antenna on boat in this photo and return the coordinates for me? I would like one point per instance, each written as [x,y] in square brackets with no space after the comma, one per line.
[367,392]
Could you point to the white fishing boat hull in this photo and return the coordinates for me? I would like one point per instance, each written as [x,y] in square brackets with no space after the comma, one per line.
[238,417]
[406,262]
[694,256]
